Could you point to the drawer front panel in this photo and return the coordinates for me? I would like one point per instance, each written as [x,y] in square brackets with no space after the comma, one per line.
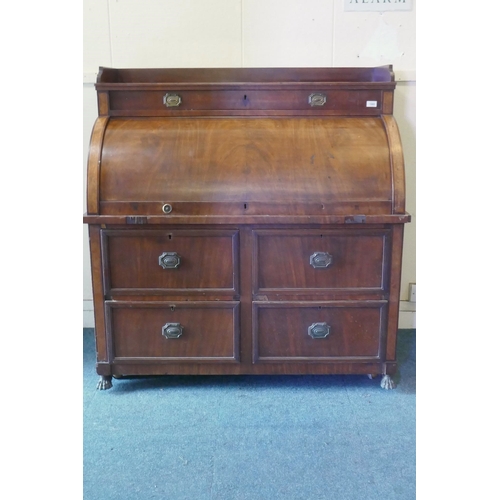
[361,102]
[177,332]
[310,261]
[162,261]
[327,331]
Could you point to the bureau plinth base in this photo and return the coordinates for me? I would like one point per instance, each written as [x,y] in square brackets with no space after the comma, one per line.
[128,371]
[105,382]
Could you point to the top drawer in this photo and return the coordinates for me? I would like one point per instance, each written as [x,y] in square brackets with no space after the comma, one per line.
[177,102]
[170,261]
[319,261]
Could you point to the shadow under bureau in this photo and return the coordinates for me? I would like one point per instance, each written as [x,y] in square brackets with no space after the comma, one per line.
[246,221]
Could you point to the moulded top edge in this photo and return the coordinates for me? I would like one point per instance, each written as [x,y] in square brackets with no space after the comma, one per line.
[239,76]
[145,87]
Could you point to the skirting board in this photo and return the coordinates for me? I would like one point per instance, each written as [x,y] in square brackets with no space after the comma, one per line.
[407,319]
[88,314]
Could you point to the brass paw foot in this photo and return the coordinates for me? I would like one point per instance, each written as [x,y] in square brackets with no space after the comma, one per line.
[387,382]
[104,383]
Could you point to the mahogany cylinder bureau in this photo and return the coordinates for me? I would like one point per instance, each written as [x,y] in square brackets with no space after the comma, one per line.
[246,221]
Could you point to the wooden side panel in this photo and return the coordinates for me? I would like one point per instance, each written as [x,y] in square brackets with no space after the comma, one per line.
[397,164]
[103,103]
[98,293]
[94,165]
[388,102]
[395,286]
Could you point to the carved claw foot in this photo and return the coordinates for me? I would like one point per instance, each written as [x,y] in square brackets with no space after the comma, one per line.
[371,376]
[387,382]
[104,383]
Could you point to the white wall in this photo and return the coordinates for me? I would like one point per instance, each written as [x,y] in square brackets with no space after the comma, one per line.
[255,33]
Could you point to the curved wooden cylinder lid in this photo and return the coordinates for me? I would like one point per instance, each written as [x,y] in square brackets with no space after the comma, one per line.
[251,165]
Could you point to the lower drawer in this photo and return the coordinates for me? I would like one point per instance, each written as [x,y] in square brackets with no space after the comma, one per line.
[173,332]
[321,331]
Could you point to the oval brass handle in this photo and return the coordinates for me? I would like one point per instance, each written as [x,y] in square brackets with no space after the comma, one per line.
[172,100]
[172,330]
[320,260]
[318,330]
[169,260]
[317,99]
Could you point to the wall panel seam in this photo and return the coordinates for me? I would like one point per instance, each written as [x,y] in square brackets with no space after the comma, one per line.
[109,35]
[242,53]
[333,32]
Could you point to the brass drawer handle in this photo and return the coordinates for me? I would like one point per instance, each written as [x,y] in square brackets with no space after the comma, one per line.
[319,330]
[167,208]
[172,330]
[172,100]
[169,260]
[317,99]
[320,260]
